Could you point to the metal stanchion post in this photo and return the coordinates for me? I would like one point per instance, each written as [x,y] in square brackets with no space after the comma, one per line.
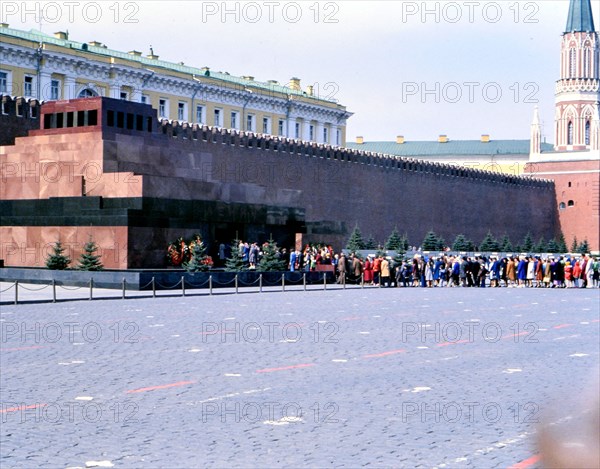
[282,282]
[344,282]
[362,280]
[324,280]
[153,288]
[123,287]
[236,283]
[260,283]
[16,292]
[53,291]
[91,289]
[304,280]
[182,285]
[210,284]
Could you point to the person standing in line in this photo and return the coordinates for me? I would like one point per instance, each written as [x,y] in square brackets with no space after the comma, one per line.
[385,271]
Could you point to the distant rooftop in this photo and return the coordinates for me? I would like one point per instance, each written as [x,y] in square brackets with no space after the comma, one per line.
[450,148]
[100,49]
[580,17]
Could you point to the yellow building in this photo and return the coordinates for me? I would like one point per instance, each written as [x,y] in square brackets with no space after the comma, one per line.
[47,67]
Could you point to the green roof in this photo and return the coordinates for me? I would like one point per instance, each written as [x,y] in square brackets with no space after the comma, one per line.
[450,148]
[580,17]
[38,36]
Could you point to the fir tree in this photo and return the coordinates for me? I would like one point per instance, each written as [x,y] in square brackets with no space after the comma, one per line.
[394,242]
[505,244]
[430,243]
[541,246]
[461,243]
[89,260]
[562,244]
[552,246]
[527,243]
[198,261]
[584,247]
[574,245]
[355,243]
[235,263]
[57,260]
[371,243]
[271,258]
[489,243]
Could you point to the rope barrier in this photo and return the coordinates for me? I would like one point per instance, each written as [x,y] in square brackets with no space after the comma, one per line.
[33,289]
[160,285]
[193,285]
[71,289]
[7,288]
[251,284]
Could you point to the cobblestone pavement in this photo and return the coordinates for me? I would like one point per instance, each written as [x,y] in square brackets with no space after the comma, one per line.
[374,377]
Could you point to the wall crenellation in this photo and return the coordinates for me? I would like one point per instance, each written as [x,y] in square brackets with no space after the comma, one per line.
[217,135]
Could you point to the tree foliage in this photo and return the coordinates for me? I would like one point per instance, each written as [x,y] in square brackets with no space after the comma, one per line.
[57,260]
[355,242]
[235,263]
[271,260]
[89,260]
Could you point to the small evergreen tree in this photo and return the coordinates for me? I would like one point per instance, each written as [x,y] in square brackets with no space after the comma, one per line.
[461,243]
[371,243]
[541,246]
[394,242]
[574,245]
[235,263]
[527,243]
[57,260]
[430,243]
[441,244]
[271,259]
[584,247]
[562,244]
[505,244]
[199,260]
[89,260]
[552,246]
[405,243]
[355,242]
[489,243]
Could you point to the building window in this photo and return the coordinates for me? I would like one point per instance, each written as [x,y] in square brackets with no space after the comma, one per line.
[87,93]
[570,133]
[587,62]
[199,114]
[572,63]
[280,127]
[325,135]
[587,133]
[570,203]
[123,95]
[266,127]
[217,120]
[250,123]
[234,120]
[569,183]
[181,111]
[3,82]
[297,130]
[311,132]
[54,90]
[28,86]
[562,206]
[337,137]
[163,108]
[144,99]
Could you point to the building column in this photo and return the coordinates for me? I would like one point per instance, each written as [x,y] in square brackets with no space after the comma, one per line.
[319,132]
[45,86]
[69,88]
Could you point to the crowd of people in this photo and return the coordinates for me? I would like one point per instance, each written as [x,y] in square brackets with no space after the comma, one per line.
[445,270]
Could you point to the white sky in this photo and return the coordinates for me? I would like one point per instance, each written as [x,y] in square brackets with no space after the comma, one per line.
[376,58]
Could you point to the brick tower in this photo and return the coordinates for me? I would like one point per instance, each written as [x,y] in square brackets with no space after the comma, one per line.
[578,90]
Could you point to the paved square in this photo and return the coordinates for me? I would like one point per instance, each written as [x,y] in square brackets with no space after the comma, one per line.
[345,378]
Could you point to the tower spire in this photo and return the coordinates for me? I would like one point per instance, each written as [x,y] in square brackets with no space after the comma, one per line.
[535,143]
[580,18]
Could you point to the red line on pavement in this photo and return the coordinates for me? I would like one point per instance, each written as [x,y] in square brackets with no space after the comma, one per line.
[596,320]
[20,348]
[384,354]
[291,367]
[162,386]
[527,462]
[561,326]
[22,407]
